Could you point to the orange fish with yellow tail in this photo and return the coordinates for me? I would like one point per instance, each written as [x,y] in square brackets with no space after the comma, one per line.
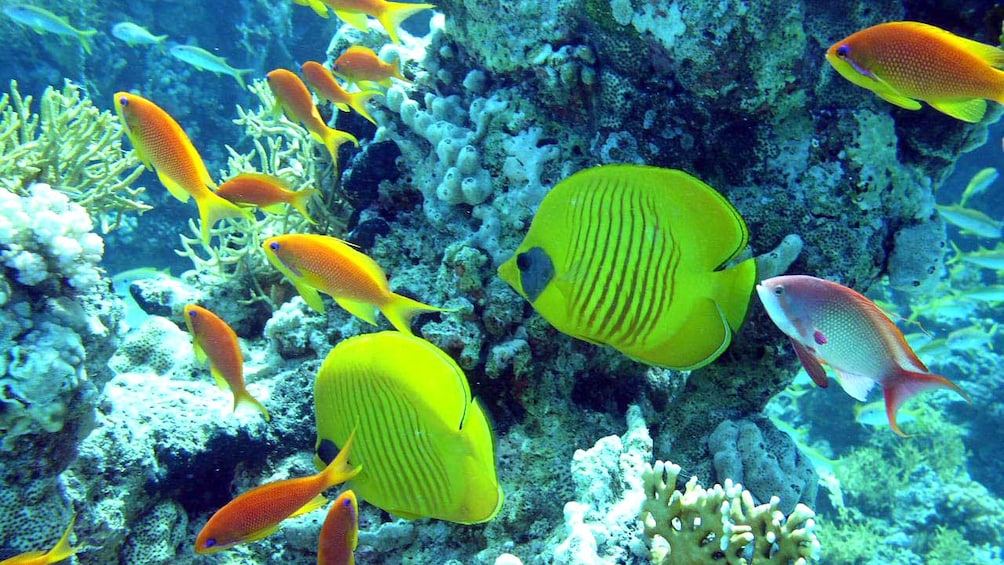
[354,12]
[909,62]
[361,65]
[292,96]
[325,86]
[340,532]
[320,263]
[162,146]
[215,340]
[59,552]
[832,324]
[267,192]
[257,513]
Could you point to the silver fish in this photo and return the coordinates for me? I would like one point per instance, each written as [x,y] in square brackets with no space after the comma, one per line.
[206,61]
[42,20]
[135,34]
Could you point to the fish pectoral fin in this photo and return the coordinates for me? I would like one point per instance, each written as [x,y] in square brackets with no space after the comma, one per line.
[811,364]
[354,19]
[200,354]
[310,296]
[367,312]
[173,187]
[262,533]
[315,503]
[890,95]
[857,386]
[970,111]
[218,378]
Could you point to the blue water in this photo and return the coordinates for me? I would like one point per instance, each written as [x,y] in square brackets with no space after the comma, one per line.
[107,415]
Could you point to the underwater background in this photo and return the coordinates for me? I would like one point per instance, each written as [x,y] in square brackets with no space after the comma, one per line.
[106,413]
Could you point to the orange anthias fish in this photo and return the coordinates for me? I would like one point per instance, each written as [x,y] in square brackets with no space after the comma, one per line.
[59,552]
[832,324]
[267,192]
[257,513]
[340,532]
[327,264]
[325,86]
[293,97]
[360,64]
[215,340]
[907,62]
[162,146]
[354,12]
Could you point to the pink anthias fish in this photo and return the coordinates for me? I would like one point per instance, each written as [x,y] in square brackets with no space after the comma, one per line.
[832,324]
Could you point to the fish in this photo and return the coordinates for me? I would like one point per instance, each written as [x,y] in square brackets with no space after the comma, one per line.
[268,192]
[361,65]
[972,338]
[206,61]
[162,146]
[135,34]
[425,443]
[993,294]
[59,552]
[873,415]
[985,258]
[216,341]
[293,98]
[41,20]
[907,63]
[325,86]
[828,323]
[979,183]
[354,12]
[340,532]
[636,257]
[320,263]
[970,220]
[259,512]
[122,282]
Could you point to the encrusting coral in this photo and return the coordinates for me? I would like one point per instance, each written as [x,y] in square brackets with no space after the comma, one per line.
[72,146]
[723,524]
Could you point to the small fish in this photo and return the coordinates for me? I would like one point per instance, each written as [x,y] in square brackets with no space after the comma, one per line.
[832,324]
[633,257]
[992,259]
[979,183]
[970,221]
[424,442]
[121,286]
[972,338]
[909,62]
[258,513]
[361,65]
[135,34]
[292,96]
[206,61]
[213,339]
[354,12]
[41,20]
[267,192]
[325,86]
[993,294]
[340,532]
[162,146]
[59,552]
[322,263]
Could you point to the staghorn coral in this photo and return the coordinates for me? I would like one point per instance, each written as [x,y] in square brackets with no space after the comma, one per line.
[723,523]
[73,146]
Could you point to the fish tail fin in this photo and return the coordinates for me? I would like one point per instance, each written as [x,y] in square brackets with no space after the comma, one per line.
[334,138]
[213,208]
[339,470]
[394,13]
[732,291]
[84,36]
[239,75]
[62,549]
[299,201]
[244,398]
[358,100]
[399,310]
[906,384]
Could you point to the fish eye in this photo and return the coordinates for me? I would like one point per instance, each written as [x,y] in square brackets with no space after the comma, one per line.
[347,503]
[843,51]
[191,313]
[124,101]
[779,290]
[274,246]
[210,542]
[523,261]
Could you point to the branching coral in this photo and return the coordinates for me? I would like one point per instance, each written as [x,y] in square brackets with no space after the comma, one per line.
[723,524]
[72,146]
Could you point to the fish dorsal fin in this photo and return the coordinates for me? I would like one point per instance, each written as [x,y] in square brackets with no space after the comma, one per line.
[857,386]
[364,310]
[970,111]
[354,19]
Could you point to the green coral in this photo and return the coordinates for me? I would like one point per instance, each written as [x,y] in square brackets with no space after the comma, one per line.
[72,146]
[722,524]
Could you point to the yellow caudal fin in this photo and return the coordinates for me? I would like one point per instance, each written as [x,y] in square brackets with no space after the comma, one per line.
[401,309]
[62,549]
[213,208]
[300,199]
[358,100]
[334,138]
[244,398]
[339,470]
[394,13]
[84,36]
[734,291]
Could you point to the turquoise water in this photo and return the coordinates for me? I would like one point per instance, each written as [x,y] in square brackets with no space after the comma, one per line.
[107,414]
